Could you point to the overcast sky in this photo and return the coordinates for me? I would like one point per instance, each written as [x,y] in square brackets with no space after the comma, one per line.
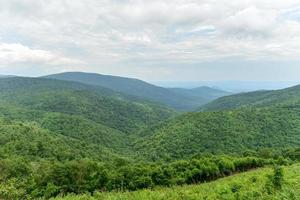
[180,40]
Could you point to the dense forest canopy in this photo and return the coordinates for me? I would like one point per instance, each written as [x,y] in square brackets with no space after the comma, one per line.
[222,132]
[116,110]
[60,137]
[288,97]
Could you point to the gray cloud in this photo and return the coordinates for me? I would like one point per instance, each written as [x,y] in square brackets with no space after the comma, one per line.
[147,38]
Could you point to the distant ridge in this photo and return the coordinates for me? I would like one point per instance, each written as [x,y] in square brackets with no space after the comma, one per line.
[179,99]
[95,103]
[262,98]
[231,124]
[6,76]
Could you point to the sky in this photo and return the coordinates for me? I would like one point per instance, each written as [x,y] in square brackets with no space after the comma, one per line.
[157,40]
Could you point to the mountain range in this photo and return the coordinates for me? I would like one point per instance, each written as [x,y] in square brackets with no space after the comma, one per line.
[230,124]
[58,135]
[288,96]
[177,98]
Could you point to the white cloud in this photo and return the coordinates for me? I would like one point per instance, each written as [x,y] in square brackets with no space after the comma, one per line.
[18,54]
[107,34]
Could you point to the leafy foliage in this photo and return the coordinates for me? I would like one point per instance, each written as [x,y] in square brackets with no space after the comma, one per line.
[94,103]
[29,141]
[62,137]
[244,186]
[222,132]
[285,97]
[48,179]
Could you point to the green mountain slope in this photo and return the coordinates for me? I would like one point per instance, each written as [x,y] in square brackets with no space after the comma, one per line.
[96,116]
[63,137]
[29,141]
[288,96]
[97,104]
[180,99]
[71,126]
[222,132]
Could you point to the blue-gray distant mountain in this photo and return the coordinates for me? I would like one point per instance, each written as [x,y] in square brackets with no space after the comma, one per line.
[6,76]
[177,98]
[201,94]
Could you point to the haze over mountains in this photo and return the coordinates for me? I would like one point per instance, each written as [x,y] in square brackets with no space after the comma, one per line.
[6,76]
[234,86]
[179,99]
[77,119]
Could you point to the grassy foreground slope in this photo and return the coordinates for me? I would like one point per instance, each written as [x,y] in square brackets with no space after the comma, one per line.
[253,185]
[222,132]
[289,96]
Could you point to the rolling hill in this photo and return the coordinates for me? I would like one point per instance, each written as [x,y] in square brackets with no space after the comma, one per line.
[231,124]
[179,99]
[95,118]
[95,103]
[27,140]
[6,76]
[70,126]
[289,96]
[222,132]
[63,137]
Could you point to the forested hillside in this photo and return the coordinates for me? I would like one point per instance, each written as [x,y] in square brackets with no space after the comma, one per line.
[96,118]
[177,98]
[115,110]
[149,100]
[222,132]
[28,141]
[61,137]
[289,96]
[71,126]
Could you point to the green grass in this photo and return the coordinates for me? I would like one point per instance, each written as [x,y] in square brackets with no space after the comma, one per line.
[249,185]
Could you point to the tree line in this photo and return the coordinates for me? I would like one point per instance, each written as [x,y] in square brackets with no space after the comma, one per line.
[24,179]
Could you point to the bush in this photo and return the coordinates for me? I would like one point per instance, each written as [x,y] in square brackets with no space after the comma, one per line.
[48,179]
[277,178]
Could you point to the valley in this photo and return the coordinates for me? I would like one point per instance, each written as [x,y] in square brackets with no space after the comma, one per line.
[149,100]
[60,137]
